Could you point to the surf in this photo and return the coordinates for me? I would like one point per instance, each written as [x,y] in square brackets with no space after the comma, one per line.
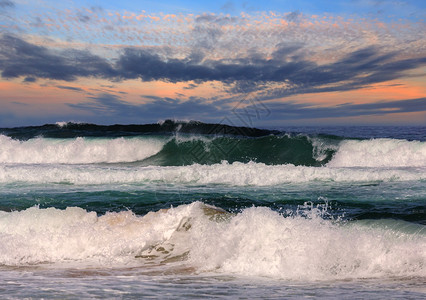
[257,241]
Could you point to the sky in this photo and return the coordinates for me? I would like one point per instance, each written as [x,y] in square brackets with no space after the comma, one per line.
[256,63]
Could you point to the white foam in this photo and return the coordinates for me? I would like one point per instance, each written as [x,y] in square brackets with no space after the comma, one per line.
[256,242]
[78,150]
[380,153]
[62,124]
[236,174]
[36,235]
[260,242]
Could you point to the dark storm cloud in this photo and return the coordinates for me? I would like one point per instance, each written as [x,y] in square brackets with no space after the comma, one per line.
[291,110]
[30,79]
[135,63]
[19,58]
[357,69]
[287,65]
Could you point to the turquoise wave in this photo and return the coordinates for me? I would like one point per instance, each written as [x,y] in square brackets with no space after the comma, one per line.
[270,150]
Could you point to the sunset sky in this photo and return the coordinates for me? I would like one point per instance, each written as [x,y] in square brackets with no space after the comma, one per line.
[253,63]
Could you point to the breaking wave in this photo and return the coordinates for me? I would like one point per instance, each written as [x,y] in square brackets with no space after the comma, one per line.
[256,241]
[299,150]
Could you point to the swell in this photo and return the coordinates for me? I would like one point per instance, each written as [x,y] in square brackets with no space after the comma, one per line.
[177,150]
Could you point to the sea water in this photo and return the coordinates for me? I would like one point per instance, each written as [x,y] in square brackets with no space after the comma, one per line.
[191,210]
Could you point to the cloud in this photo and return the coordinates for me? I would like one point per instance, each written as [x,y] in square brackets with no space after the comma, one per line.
[355,70]
[288,66]
[293,16]
[71,88]
[212,19]
[6,4]
[83,18]
[30,79]
[190,86]
[20,58]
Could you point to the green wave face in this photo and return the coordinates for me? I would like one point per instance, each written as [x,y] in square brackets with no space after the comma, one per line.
[270,150]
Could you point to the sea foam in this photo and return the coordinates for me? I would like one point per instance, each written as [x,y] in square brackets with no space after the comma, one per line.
[254,242]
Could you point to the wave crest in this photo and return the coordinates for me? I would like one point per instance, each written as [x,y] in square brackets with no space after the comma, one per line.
[380,153]
[77,150]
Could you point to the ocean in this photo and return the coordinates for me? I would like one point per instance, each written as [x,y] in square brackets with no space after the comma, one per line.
[180,210]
